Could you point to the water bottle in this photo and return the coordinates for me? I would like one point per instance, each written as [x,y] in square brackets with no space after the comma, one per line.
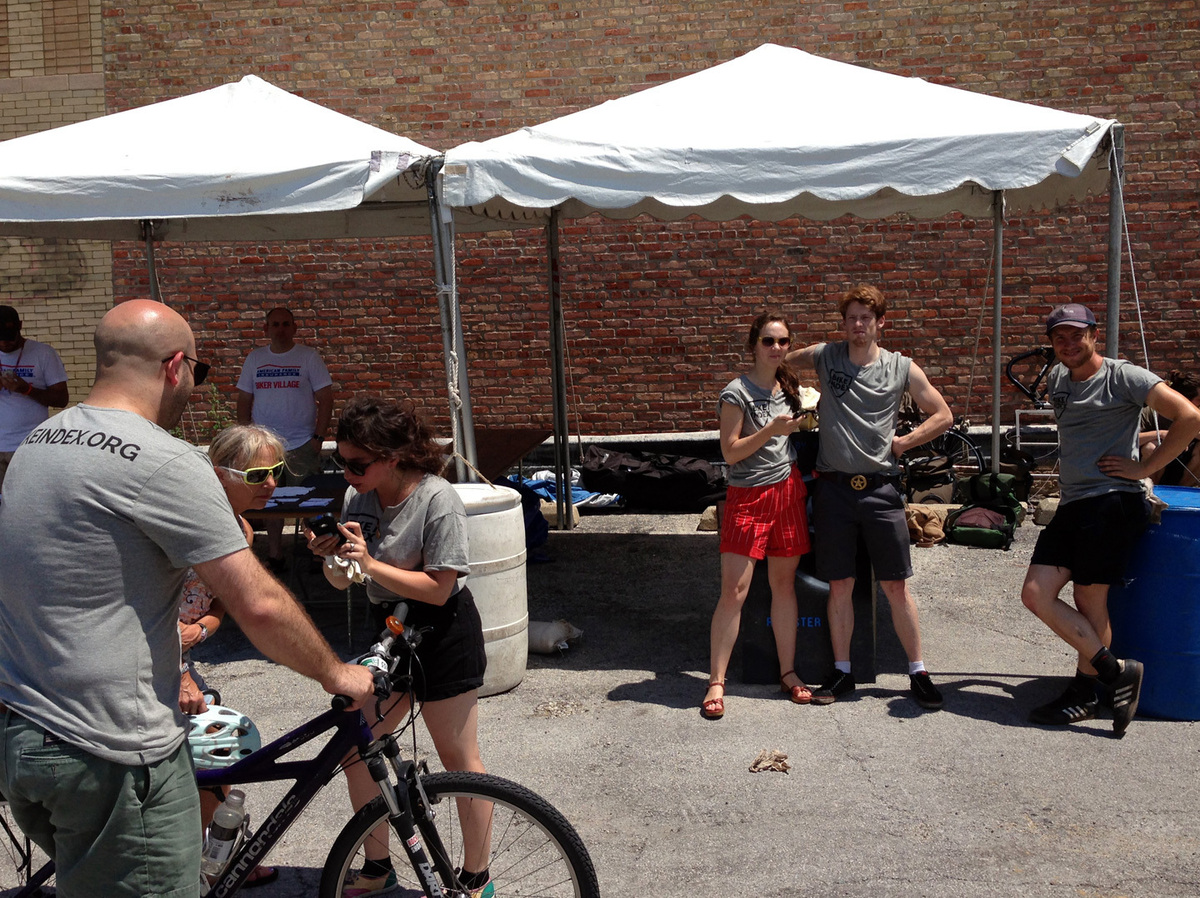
[223,834]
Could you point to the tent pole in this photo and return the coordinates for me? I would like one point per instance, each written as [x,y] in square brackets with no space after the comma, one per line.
[462,425]
[147,227]
[997,319]
[562,450]
[1116,223]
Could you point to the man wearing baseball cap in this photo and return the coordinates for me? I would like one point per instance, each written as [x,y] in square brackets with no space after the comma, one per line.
[1102,511]
[32,381]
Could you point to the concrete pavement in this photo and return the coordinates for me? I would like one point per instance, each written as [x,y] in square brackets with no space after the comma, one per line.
[883,799]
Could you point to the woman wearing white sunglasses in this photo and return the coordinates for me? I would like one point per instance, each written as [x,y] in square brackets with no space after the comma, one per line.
[248,460]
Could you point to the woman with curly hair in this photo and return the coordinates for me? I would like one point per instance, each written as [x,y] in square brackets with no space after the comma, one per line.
[405,531]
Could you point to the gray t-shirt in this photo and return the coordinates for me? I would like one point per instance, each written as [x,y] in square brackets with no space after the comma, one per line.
[859,409]
[425,532]
[773,462]
[102,513]
[1097,417]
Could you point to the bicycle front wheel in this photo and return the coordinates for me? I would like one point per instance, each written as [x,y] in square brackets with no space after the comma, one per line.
[25,871]
[534,850]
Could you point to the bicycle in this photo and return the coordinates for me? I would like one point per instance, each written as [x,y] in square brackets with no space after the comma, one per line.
[534,849]
[1039,443]
[931,471]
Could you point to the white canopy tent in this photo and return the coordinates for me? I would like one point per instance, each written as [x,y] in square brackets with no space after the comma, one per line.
[243,161]
[779,133]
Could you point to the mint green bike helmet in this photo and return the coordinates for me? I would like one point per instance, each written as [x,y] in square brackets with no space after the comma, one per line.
[220,737]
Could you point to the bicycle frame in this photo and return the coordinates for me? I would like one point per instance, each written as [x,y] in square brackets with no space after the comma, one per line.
[310,776]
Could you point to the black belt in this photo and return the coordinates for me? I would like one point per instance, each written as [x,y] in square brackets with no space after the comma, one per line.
[859,482]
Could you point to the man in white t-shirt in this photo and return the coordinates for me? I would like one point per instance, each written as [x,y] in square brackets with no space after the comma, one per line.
[286,387]
[32,381]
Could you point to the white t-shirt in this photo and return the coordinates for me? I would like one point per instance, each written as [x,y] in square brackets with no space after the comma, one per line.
[37,364]
[283,384]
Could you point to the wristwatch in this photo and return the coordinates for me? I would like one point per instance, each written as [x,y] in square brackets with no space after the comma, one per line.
[203,631]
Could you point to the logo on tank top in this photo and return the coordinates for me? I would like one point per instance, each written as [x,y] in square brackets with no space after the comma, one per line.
[839,382]
[761,410]
[1059,401]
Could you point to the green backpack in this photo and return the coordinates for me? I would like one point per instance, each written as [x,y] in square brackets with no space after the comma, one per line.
[991,516]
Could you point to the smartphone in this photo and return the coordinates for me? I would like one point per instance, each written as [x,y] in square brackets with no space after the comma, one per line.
[326,524]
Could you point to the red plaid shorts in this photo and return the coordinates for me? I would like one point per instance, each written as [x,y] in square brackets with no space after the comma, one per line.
[762,521]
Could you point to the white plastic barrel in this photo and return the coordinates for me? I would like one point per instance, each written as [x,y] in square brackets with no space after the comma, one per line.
[496,551]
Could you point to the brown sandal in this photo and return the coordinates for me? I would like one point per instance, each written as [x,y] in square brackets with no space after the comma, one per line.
[801,694]
[714,708]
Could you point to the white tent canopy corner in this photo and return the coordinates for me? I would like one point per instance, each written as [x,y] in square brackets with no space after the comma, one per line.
[242,161]
[779,133]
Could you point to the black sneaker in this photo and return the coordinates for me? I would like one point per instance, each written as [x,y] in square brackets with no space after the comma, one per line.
[1072,706]
[1126,689]
[835,687]
[924,691]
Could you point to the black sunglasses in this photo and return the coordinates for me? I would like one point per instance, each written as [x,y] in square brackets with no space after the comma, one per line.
[771,341]
[357,468]
[199,369]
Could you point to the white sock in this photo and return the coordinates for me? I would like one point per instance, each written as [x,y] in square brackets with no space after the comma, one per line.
[843,666]
[915,667]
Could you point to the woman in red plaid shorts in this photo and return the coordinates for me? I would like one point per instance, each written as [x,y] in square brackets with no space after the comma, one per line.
[764,506]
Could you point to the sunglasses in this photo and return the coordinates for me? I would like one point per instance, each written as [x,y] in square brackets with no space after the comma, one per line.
[357,468]
[771,341]
[199,369]
[256,476]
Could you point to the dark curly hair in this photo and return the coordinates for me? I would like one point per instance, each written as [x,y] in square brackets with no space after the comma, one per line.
[789,382]
[390,430]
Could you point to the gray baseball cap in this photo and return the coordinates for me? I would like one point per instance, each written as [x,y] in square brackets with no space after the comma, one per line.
[1072,314]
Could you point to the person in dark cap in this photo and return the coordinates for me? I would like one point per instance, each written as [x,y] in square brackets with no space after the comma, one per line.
[32,381]
[1102,510]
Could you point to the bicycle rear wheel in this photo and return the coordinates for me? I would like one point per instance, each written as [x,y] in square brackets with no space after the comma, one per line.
[24,870]
[535,851]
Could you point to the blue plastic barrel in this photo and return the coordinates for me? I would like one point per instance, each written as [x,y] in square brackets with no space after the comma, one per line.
[1156,614]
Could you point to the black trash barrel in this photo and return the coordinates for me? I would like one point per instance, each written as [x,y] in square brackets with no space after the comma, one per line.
[814,651]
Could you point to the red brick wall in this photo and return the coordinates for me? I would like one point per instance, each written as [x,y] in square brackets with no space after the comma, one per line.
[657,312]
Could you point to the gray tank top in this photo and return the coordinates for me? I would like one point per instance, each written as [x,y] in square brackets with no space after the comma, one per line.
[773,462]
[859,409]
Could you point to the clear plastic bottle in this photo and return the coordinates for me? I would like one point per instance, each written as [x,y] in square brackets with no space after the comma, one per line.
[223,833]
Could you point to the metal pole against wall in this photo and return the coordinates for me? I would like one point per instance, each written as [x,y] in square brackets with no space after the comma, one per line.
[147,227]
[454,355]
[1116,224]
[558,380]
[997,320]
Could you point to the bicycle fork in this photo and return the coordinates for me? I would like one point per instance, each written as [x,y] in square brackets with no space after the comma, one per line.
[379,757]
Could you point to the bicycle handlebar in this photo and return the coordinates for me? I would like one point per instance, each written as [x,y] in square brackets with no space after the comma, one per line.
[1047,354]
[381,658]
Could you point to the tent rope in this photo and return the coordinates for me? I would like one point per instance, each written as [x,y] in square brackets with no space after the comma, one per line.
[979,336]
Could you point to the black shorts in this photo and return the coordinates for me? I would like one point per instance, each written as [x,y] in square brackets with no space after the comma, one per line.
[450,659]
[842,514]
[1093,538]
